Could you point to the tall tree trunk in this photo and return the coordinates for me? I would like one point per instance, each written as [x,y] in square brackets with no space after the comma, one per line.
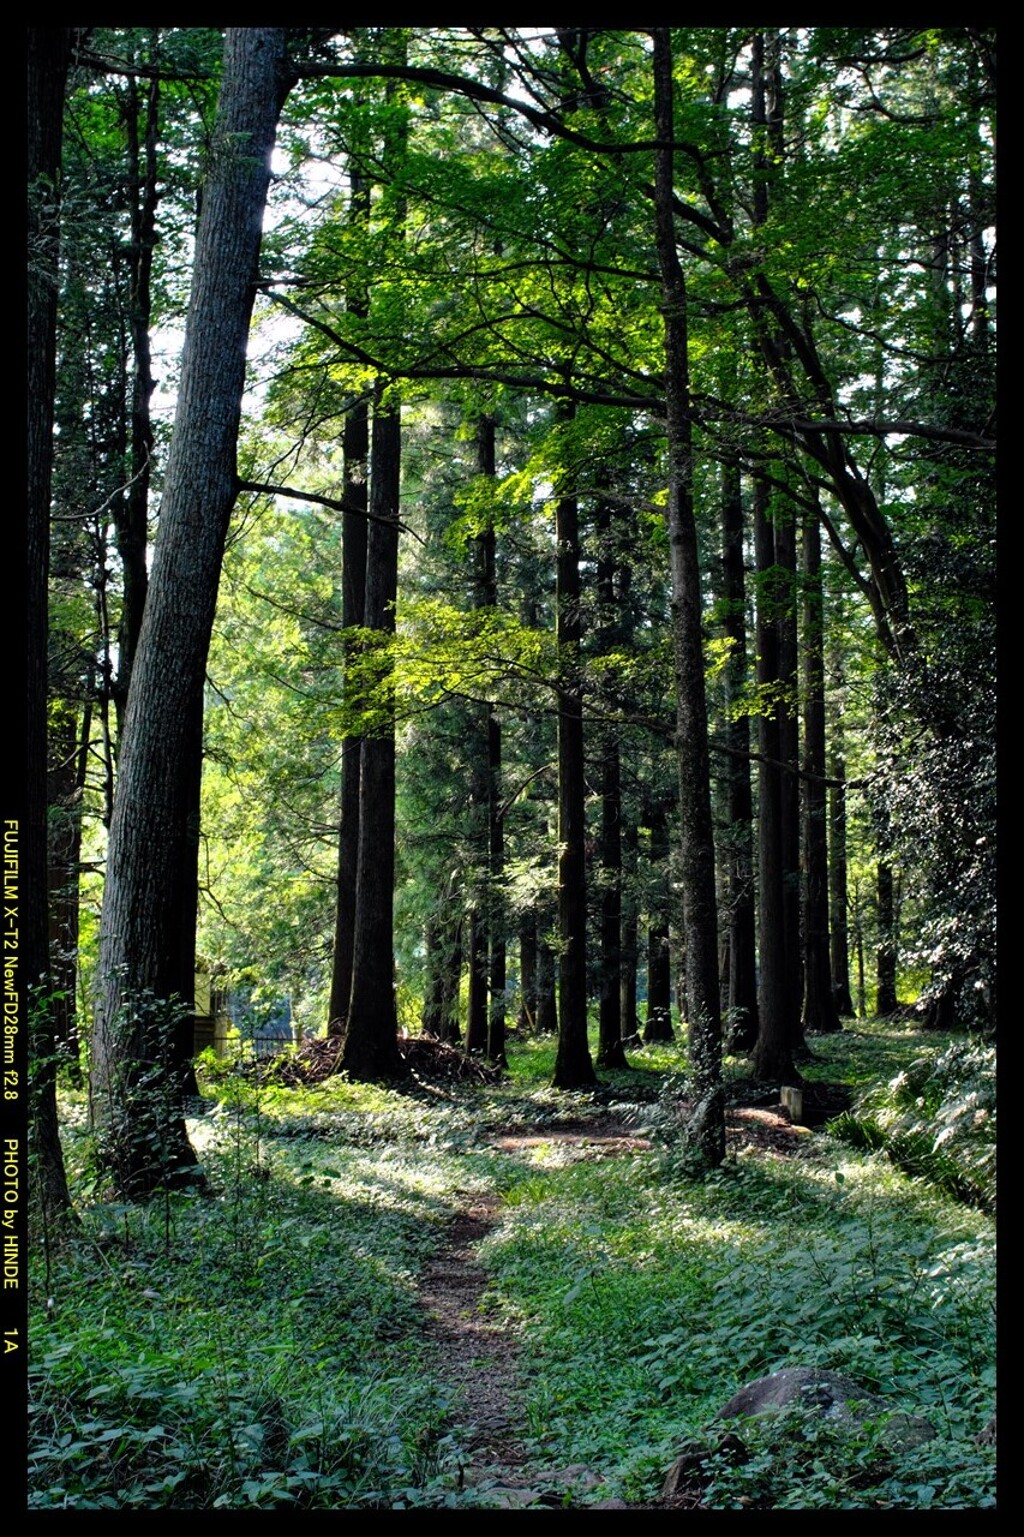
[658,1025]
[740,889]
[789,779]
[356,451]
[820,1014]
[610,1052]
[353,612]
[371,1026]
[886,1001]
[858,942]
[838,899]
[779,818]
[356,442]
[131,511]
[773,1054]
[528,972]
[486,596]
[443,966]
[371,1021]
[629,953]
[48,60]
[496,950]
[151,873]
[658,1022]
[574,1068]
[697,864]
[547,997]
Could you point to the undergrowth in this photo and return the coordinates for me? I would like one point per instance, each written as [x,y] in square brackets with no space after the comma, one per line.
[936,1117]
[261,1345]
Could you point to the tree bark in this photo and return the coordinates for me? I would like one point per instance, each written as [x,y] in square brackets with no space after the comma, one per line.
[658,1021]
[630,939]
[886,1001]
[773,1053]
[371,1022]
[610,1052]
[486,597]
[547,998]
[356,450]
[527,1021]
[151,870]
[820,1015]
[838,898]
[131,511]
[789,755]
[697,864]
[574,1068]
[658,1025]
[443,966]
[740,890]
[354,535]
[371,1028]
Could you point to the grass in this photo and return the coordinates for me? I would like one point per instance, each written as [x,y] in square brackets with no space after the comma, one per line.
[261,1346]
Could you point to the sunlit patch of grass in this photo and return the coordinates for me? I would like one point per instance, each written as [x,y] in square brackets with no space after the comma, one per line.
[869,1051]
[649,1303]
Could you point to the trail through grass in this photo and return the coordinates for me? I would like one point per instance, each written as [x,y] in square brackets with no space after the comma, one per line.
[266,1346]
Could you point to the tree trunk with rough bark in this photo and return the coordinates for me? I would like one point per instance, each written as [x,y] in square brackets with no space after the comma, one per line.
[629,953]
[610,1052]
[527,1021]
[574,1068]
[789,754]
[773,1052]
[131,510]
[886,1001]
[443,941]
[820,1016]
[658,1025]
[740,889]
[371,1026]
[486,597]
[144,978]
[697,863]
[353,612]
[355,500]
[838,898]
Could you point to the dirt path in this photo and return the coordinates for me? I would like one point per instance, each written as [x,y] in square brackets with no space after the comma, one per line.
[478,1358]
[478,1354]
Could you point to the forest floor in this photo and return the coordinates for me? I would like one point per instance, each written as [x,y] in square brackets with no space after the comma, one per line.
[479,1356]
[462,1293]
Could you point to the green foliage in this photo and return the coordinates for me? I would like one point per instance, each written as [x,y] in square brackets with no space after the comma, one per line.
[800,1459]
[766,1267]
[257,1355]
[936,1119]
[137,1139]
[262,1347]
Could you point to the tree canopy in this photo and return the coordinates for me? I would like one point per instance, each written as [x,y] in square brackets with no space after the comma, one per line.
[545,322]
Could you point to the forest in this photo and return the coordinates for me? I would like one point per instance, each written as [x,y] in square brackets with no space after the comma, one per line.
[503,905]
